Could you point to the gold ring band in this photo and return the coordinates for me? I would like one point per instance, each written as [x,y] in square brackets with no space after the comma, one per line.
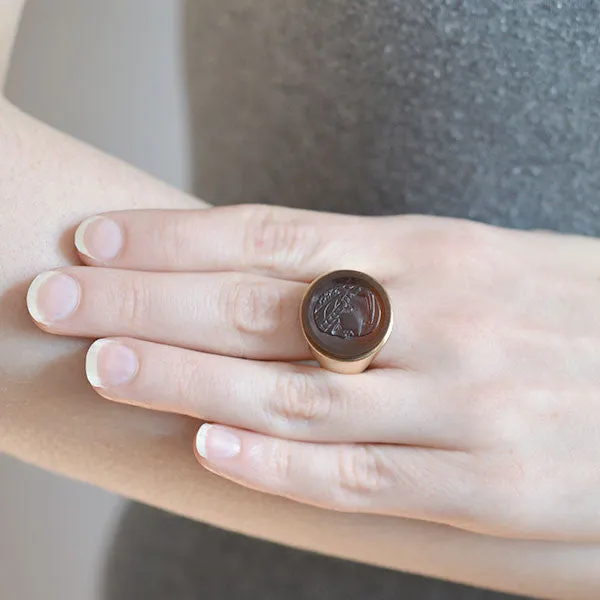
[346,319]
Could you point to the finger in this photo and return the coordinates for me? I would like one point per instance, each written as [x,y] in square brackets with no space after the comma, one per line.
[394,480]
[227,313]
[290,401]
[283,242]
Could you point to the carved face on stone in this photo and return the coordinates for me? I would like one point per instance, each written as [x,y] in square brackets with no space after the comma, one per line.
[345,314]
[347,309]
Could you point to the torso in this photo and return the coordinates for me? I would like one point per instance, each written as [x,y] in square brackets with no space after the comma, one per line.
[479,109]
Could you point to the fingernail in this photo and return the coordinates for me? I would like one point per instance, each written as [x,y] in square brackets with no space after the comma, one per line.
[110,364]
[99,238]
[214,442]
[52,297]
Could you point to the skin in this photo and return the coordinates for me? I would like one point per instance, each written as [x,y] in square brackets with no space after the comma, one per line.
[479,413]
[52,417]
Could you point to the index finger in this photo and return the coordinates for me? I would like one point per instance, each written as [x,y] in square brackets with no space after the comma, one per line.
[275,241]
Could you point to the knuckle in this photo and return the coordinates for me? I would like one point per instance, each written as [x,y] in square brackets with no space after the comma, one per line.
[470,334]
[361,473]
[510,484]
[185,381]
[185,378]
[494,416]
[252,307]
[300,398]
[464,249]
[271,239]
[134,301]
[174,239]
[279,464]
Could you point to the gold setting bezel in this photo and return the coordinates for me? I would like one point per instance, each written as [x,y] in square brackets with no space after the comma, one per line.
[361,362]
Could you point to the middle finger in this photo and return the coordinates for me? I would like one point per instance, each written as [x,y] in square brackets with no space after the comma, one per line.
[234,314]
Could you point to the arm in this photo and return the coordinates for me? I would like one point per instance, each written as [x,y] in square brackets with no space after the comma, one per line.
[49,415]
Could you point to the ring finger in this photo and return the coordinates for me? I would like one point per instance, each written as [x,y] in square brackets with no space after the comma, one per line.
[280,399]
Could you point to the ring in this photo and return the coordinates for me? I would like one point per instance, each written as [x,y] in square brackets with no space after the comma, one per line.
[347,319]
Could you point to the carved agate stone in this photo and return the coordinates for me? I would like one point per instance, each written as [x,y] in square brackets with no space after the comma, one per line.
[346,314]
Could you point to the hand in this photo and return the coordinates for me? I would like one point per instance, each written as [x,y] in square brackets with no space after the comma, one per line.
[482,411]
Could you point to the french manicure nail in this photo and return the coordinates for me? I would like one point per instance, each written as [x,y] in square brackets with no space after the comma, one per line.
[99,238]
[52,297]
[214,443]
[110,364]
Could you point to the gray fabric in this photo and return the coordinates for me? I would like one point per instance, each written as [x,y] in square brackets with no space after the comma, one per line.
[469,108]
[483,109]
[159,556]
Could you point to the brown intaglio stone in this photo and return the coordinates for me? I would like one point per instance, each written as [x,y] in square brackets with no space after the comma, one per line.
[346,314]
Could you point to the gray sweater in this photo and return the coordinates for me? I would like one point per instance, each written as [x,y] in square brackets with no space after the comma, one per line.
[487,109]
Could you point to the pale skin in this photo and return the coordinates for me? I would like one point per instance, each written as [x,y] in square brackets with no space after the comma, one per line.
[51,415]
